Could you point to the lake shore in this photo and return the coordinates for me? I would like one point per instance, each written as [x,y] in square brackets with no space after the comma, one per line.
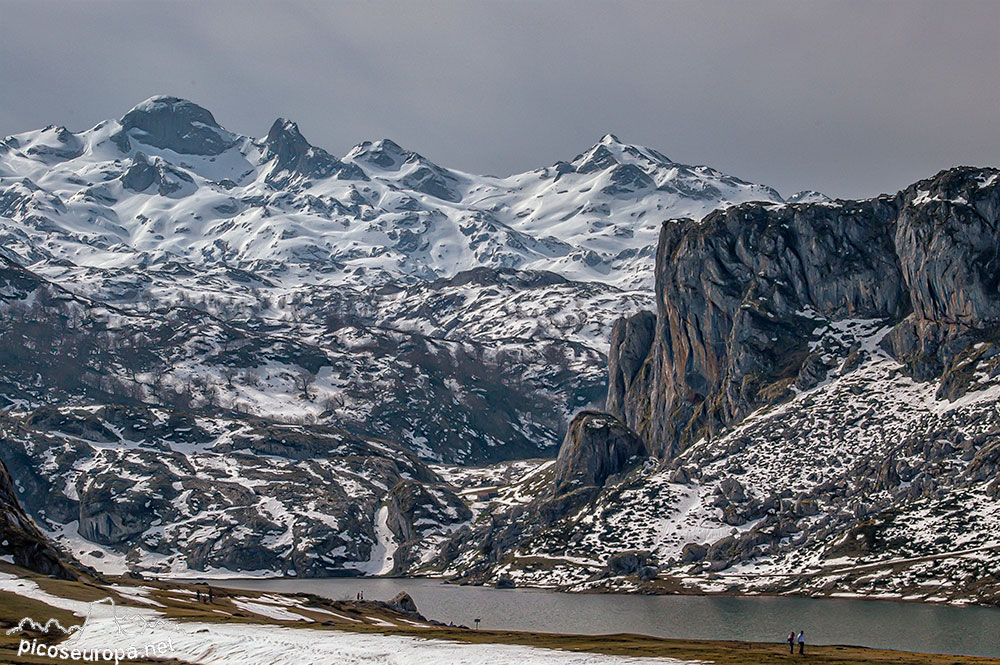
[658,587]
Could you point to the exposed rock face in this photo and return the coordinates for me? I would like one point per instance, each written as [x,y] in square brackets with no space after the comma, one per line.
[140,174]
[738,295]
[948,238]
[20,538]
[415,511]
[631,339]
[596,447]
[175,124]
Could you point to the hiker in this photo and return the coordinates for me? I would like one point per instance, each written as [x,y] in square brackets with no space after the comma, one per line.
[791,642]
[802,643]
[477,624]
[198,593]
[211,595]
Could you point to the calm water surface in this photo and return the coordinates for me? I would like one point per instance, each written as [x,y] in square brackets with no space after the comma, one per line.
[872,623]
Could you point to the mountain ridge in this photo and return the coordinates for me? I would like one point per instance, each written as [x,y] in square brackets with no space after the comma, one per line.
[490,220]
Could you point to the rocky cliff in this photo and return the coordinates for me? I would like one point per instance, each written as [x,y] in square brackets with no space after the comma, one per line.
[739,293]
[20,540]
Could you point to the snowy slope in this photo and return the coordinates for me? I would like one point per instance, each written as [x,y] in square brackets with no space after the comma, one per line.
[463,371]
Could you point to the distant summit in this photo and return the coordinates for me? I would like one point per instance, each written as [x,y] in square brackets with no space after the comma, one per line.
[294,158]
[176,124]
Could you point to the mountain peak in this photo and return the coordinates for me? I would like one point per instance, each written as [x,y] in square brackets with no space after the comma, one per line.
[284,132]
[610,152]
[808,196]
[295,157]
[176,124]
[173,105]
[384,153]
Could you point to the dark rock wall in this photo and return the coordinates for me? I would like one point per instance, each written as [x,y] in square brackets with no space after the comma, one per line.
[737,296]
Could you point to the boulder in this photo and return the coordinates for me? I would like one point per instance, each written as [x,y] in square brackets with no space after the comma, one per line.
[693,552]
[404,603]
[596,446]
[648,573]
[630,563]
[680,476]
[806,507]
[733,490]
[505,582]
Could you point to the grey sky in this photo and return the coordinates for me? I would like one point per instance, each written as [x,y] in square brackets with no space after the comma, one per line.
[851,98]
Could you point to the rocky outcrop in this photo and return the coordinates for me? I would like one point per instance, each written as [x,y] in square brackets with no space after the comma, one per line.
[638,563]
[948,239]
[143,172]
[21,540]
[417,508]
[739,295]
[175,124]
[596,447]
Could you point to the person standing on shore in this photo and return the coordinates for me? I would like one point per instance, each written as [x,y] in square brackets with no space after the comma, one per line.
[791,642]
[802,643]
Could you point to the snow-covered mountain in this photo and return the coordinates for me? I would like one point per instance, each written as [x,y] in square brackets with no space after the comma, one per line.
[167,185]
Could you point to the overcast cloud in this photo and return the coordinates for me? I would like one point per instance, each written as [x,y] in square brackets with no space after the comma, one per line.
[850,98]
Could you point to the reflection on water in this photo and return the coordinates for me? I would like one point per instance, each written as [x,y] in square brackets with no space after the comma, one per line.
[883,624]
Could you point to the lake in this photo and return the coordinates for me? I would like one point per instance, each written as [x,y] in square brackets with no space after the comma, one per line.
[973,631]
